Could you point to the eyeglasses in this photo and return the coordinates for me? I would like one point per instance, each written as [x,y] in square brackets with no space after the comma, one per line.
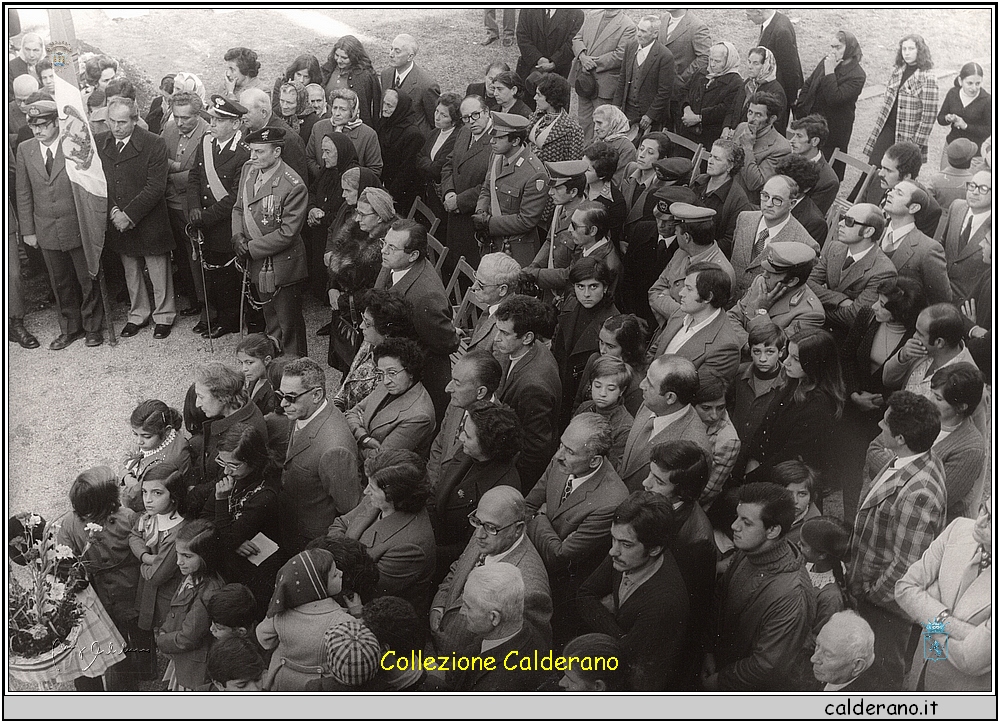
[852,222]
[477,284]
[381,374]
[490,528]
[980,188]
[472,116]
[767,198]
[292,398]
[228,466]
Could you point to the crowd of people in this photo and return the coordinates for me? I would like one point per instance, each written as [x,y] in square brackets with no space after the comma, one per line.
[719,415]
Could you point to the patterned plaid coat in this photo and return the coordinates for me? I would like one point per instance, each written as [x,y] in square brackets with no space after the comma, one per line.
[918,106]
[895,527]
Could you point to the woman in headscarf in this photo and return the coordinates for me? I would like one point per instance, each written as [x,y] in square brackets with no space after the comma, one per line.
[715,97]
[833,90]
[349,67]
[325,200]
[401,141]
[295,110]
[611,126]
[304,69]
[762,75]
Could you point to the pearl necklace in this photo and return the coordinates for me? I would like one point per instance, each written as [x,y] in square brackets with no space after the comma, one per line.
[166,443]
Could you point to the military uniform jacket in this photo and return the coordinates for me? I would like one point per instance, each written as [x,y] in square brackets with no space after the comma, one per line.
[217,213]
[793,311]
[521,192]
[272,219]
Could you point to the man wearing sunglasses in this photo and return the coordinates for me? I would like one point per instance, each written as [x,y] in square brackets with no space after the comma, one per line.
[852,266]
[499,537]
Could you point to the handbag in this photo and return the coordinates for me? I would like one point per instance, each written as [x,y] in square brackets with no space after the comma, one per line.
[265,278]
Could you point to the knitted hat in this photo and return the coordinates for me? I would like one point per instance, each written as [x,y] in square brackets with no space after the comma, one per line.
[352,653]
[380,201]
[960,153]
[827,535]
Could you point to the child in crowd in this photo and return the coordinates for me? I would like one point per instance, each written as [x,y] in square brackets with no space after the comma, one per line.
[751,393]
[352,657]
[800,480]
[235,666]
[825,546]
[622,336]
[254,354]
[610,377]
[113,570]
[710,403]
[585,679]
[186,632]
[164,492]
[157,429]
[231,611]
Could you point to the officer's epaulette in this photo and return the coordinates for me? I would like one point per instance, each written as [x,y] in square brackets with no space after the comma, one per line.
[536,164]
[292,177]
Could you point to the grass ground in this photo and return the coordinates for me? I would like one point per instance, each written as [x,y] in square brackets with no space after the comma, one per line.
[69,410]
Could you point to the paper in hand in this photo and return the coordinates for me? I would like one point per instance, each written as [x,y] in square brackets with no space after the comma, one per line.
[266,545]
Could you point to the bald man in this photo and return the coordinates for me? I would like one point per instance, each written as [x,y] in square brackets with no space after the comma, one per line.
[25,62]
[259,115]
[23,86]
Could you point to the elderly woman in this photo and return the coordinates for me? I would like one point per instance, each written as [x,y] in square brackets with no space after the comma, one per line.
[304,70]
[762,75]
[294,109]
[326,198]
[611,126]
[344,119]
[508,93]
[398,414]
[353,260]
[401,141]
[715,97]
[833,90]
[383,315]
[436,150]
[393,523]
[349,67]
[717,190]
[603,162]
[491,438]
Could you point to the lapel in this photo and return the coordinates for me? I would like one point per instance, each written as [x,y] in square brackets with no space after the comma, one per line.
[486,325]
[268,187]
[508,170]
[465,564]
[635,212]
[858,268]
[682,27]
[183,599]
[704,337]
[673,431]
[388,527]
[973,248]
[907,248]
[674,324]
[390,412]
[579,495]
[409,278]
[132,148]
[522,364]
[300,440]
[651,59]
[898,479]
[635,440]
[36,158]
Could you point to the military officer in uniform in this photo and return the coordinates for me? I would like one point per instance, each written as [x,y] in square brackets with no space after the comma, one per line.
[780,294]
[270,208]
[211,193]
[512,200]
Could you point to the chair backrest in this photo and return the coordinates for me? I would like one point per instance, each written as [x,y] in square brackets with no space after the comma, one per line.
[683,142]
[429,221]
[436,253]
[867,173]
[454,289]
[699,157]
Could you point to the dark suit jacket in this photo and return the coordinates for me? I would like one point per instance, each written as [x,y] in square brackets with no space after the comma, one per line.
[293,152]
[502,680]
[423,91]
[320,478]
[635,461]
[45,205]
[217,215]
[923,258]
[860,282]
[779,38]
[445,444]
[541,37]
[652,84]
[137,183]
[734,201]
[689,42]
[652,623]
[464,171]
[714,350]
[808,214]
[422,287]
[462,484]
[533,391]
[965,266]
[825,191]
[430,170]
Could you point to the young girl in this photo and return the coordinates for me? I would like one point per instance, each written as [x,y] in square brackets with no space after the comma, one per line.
[164,492]
[800,480]
[301,610]
[113,570]
[254,355]
[186,632]
[824,545]
[622,336]
[157,429]
[611,377]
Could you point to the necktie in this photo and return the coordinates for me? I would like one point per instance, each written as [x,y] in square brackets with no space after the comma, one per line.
[568,491]
[48,161]
[887,241]
[481,560]
[120,145]
[758,245]
[963,239]
[647,428]
[666,30]
[625,587]
[848,262]
[395,81]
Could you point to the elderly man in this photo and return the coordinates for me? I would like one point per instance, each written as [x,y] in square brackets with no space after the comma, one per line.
[902,162]
[571,509]
[32,50]
[668,391]
[688,39]
[260,115]
[320,478]
[136,167]
[780,295]
[755,230]
[763,145]
[938,342]
[493,608]
[462,177]
[22,88]
[777,34]
[648,79]
[499,537]
[845,651]
[48,219]
[806,136]
[765,604]
[852,267]
[598,49]
[211,195]
[969,227]
[496,279]
[637,594]
[716,189]
[912,251]
[407,273]
[407,77]
[317,100]
[268,215]
[474,378]
[512,199]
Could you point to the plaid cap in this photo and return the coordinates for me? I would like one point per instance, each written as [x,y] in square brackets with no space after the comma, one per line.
[352,652]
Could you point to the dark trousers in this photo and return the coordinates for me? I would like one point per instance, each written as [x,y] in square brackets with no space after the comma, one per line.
[315,241]
[283,317]
[222,290]
[895,642]
[187,280]
[77,295]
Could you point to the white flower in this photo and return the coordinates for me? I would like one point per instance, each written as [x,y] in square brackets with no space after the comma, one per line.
[62,552]
[33,521]
[38,631]
[93,528]
[57,591]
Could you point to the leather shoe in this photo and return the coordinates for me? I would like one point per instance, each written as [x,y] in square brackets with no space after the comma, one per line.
[64,340]
[21,335]
[489,40]
[162,331]
[323,330]
[94,338]
[200,328]
[217,331]
[131,329]
[191,310]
